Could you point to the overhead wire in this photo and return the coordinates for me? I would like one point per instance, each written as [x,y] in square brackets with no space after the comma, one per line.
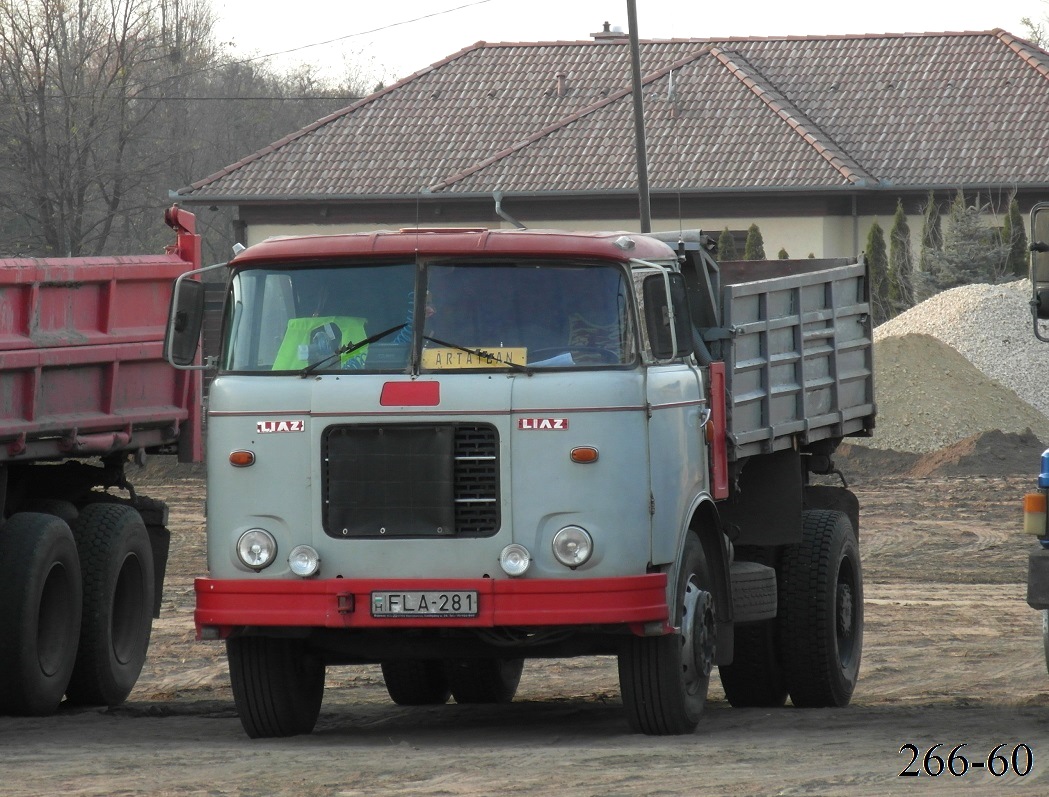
[251,59]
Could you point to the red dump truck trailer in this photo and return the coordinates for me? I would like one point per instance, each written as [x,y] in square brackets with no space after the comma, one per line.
[84,391]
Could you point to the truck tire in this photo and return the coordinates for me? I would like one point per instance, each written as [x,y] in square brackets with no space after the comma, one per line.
[154,515]
[821,611]
[483,680]
[754,593]
[58,507]
[277,685]
[40,592]
[754,679]
[116,562]
[416,683]
[664,680]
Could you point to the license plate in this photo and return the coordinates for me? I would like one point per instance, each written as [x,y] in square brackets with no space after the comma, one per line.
[419,603]
[480,357]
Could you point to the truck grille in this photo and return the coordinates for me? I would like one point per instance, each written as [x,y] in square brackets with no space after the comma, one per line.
[394,480]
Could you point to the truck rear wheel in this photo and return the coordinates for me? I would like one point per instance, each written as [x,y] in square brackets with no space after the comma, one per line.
[754,679]
[664,680]
[821,611]
[416,683]
[116,562]
[40,592]
[484,680]
[277,685]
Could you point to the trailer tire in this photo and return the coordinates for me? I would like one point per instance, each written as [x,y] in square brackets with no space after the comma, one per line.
[475,681]
[754,679]
[277,685]
[416,682]
[58,507]
[664,680]
[821,611]
[40,592]
[116,562]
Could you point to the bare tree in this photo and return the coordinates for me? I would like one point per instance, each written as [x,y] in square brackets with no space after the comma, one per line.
[108,105]
[1035,31]
[82,83]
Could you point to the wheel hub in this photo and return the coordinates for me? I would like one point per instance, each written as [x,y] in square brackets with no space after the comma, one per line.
[698,634]
[845,609]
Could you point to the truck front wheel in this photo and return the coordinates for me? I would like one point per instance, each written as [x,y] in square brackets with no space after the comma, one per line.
[40,592]
[664,680]
[116,561]
[821,611]
[277,685]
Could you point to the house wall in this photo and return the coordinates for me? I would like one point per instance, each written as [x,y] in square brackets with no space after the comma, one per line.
[823,227]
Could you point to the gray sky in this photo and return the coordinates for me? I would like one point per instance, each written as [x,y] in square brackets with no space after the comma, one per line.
[394,39]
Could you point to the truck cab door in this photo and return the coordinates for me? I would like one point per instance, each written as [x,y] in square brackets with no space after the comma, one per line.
[678,410]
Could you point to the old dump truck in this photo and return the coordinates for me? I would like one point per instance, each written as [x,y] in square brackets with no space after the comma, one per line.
[85,390]
[1035,502]
[447,451]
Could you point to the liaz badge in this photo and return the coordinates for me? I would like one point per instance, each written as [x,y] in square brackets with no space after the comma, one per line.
[543,424]
[268,427]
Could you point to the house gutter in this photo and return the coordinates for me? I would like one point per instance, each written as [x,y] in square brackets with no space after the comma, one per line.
[486,196]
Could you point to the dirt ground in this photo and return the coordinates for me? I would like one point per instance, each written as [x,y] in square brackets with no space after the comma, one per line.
[952,656]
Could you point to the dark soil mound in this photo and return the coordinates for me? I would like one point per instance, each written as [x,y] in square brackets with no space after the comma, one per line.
[858,460]
[993,453]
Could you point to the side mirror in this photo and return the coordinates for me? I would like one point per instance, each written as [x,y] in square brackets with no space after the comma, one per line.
[185,318]
[666,318]
[1040,260]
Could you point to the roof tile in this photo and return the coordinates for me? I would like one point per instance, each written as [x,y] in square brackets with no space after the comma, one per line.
[918,110]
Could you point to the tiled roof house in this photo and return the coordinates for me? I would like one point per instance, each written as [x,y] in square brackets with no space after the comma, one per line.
[810,137]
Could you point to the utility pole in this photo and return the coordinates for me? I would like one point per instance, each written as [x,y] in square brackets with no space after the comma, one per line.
[644,200]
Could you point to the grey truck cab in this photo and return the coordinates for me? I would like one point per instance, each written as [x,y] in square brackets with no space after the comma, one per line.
[448,451]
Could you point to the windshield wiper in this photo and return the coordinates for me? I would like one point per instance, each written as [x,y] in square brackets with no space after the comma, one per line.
[349,348]
[480,353]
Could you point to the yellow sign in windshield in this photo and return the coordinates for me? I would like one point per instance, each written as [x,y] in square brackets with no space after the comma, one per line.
[482,357]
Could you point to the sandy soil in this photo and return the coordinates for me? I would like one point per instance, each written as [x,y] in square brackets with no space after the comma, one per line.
[952,656]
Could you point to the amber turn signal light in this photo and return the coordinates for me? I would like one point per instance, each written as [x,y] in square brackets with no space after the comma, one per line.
[584,454]
[242,458]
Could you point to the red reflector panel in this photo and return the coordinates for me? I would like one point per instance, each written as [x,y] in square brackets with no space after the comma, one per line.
[410,394]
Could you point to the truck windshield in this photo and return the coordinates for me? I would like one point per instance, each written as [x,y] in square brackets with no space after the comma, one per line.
[288,319]
[539,315]
[281,320]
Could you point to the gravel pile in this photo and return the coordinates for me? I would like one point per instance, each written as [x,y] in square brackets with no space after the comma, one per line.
[960,363]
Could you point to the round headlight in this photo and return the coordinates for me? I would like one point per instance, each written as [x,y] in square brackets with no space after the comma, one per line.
[572,546]
[256,548]
[515,559]
[304,561]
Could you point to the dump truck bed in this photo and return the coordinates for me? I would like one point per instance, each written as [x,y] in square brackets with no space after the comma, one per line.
[81,365]
[798,352]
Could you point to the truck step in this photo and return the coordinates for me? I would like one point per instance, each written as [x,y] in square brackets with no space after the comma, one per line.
[753,592]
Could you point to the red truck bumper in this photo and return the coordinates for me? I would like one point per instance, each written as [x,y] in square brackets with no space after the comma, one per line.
[636,601]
